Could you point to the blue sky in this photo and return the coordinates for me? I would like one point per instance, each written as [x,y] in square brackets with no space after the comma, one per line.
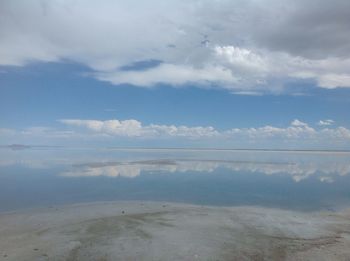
[190,85]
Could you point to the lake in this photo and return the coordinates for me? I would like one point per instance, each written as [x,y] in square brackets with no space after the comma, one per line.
[296,180]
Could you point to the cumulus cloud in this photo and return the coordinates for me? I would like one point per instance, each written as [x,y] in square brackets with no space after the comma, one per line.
[134,128]
[340,133]
[257,68]
[127,128]
[248,46]
[242,60]
[297,132]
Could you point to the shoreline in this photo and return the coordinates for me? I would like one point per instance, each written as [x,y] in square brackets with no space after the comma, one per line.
[340,209]
[141,230]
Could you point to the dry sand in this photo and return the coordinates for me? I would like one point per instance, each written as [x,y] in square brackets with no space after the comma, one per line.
[168,231]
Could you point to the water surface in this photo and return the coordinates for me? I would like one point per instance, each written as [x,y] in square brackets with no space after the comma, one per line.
[41,177]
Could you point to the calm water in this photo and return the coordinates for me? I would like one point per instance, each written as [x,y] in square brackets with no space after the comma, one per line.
[39,177]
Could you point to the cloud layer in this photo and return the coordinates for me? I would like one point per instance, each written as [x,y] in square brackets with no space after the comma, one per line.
[325,134]
[249,46]
[134,128]
[298,131]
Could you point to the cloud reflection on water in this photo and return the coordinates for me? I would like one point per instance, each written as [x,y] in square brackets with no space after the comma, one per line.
[325,171]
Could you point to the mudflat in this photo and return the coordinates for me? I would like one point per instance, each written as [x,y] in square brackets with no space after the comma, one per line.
[170,231]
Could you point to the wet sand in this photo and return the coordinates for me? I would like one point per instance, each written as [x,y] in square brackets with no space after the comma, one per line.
[169,231]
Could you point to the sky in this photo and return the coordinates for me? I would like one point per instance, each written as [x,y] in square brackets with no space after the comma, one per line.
[220,74]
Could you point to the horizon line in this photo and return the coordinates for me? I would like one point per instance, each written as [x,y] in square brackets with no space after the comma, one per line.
[28,146]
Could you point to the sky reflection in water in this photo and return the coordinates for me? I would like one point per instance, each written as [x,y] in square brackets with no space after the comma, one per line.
[295,180]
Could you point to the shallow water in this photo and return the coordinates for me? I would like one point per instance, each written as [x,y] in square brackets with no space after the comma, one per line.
[41,177]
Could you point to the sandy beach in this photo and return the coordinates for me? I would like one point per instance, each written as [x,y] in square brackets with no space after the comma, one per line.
[169,231]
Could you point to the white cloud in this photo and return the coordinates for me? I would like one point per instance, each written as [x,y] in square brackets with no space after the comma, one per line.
[298,123]
[6,131]
[249,93]
[297,133]
[338,133]
[248,46]
[325,122]
[242,60]
[326,179]
[127,128]
[296,130]
[182,131]
[256,68]
[134,128]
[47,132]
[245,70]
[131,132]
[170,74]
[333,80]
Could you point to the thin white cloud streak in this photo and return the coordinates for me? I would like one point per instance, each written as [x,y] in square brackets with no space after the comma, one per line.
[176,75]
[247,46]
[325,122]
[7,132]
